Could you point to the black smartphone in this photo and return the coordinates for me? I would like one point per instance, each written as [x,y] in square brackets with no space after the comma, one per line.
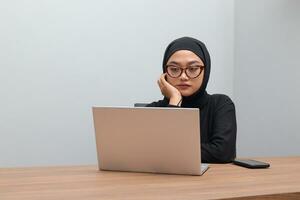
[253,164]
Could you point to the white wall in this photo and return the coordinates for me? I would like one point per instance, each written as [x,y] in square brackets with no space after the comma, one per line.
[267,77]
[59,58]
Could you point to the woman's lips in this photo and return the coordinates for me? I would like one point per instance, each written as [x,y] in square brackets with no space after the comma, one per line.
[183,86]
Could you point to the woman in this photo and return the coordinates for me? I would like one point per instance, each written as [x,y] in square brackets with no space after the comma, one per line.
[186,69]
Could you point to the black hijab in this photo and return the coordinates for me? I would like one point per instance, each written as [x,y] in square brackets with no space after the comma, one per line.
[200,97]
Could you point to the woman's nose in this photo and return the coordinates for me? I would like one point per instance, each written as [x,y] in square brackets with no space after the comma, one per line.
[183,76]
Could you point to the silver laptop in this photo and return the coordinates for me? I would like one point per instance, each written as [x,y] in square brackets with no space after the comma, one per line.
[157,140]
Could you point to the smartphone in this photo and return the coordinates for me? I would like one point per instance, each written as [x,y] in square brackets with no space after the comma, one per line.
[253,164]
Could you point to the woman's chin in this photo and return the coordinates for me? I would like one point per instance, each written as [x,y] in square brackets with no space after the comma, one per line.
[185,93]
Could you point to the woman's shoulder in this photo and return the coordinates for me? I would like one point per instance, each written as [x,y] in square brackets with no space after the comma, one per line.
[220,100]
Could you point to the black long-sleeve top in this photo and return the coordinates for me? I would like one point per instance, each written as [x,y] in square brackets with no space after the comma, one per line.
[218,127]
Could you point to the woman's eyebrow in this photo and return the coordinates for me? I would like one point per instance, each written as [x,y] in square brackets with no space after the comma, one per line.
[193,62]
[173,62]
[189,63]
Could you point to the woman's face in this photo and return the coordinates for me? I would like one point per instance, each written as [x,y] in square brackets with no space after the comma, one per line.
[185,59]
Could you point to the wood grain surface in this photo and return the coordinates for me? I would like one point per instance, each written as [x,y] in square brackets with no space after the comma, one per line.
[221,181]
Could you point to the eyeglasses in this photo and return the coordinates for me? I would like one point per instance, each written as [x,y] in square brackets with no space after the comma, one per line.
[191,72]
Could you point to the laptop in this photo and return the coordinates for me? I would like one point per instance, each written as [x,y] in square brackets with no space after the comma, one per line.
[155,140]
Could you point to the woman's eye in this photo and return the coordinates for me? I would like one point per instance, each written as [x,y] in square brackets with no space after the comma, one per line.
[193,69]
[174,69]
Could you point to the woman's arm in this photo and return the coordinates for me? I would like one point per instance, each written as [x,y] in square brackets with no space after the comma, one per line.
[221,147]
[172,97]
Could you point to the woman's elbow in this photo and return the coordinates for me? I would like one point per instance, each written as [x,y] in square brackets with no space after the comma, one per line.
[226,155]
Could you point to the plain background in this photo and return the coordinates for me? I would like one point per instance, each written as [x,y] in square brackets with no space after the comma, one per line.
[60,58]
[267,77]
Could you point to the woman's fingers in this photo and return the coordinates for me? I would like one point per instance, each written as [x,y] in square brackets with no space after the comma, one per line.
[163,83]
[167,89]
[163,79]
[160,86]
[159,83]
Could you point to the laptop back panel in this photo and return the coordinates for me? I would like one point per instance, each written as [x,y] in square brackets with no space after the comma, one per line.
[158,140]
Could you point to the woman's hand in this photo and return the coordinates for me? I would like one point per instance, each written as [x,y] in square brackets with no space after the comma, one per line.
[169,91]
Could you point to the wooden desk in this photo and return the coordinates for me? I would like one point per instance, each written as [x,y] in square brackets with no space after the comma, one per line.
[281,181]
